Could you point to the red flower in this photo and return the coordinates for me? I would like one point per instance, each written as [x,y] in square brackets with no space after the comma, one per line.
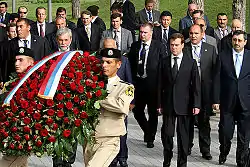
[38,126]
[52,139]
[82,103]
[39,106]
[71,75]
[60,114]
[44,132]
[89,95]
[13,129]
[76,99]
[24,104]
[88,67]
[75,111]
[59,96]
[69,105]
[80,89]
[78,122]
[37,116]
[27,137]
[88,74]
[73,86]
[26,129]
[21,114]
[84,115]
[66,120]
[6,123]
[66,133]
[29,148]
[79,75]
[5,134]
[55,126]
[39,143]
[50,103]
[86,54]
[12,146]
[50,112]
[17,138]
[30,95]
[60,106]
[20,147]
[101,84]
[98,93]
[95,78]
[68,95]
[71,69]
[30,110]
[49,121]
[26,120]
[93,85]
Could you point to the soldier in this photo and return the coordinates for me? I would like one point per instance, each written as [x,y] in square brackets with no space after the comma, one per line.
[113,112]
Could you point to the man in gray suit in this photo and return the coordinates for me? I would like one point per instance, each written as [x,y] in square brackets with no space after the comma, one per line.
[122,36]
[148,14]
[222,29]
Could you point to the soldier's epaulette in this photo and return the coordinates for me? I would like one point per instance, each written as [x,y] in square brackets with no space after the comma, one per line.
[125,82]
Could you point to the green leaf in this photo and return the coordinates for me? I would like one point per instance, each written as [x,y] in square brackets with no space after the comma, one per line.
[81,138]
[67,146]
[57,149]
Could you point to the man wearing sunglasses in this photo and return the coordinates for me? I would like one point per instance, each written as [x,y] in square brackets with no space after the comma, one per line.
[23,13]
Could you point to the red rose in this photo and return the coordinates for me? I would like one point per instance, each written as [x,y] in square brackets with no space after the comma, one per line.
[26,120]
[39,143]
[27,137]
[63,88]
[66,133]
[26,129]
[11,114]
[44,132]
[37,116]
[14,119]
[101,84]
[30,110]
[66,81]
[22,114]
[71,75]
[17,138]
[59,97]
[13,129]
[39,106]
[75,111]
[80,66]
[66,120]
[78,122]
[52,139]
[78,81]
[60,106]
[69,105]
[50,112]
[98,93]
[79,75]
[80,89]
[49,121]
[89,95]
[82,103]
[30,95]
[38,126]
[95,78]
[35,137]
[88,67]
[14,109]
[20,147]
[33,86]
[93,85]
[55,126]
[12,146]
[84,115]
[68,95]
[50,103]
[73,86]
[6,123]
[60,114]
[88,74]
[76,99]
[24,104]
[29,148]
[92,58]
[5,134]
[86,54]
[71,69]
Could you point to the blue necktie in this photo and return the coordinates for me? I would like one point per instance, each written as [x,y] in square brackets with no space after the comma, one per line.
[150,19]
[237,65]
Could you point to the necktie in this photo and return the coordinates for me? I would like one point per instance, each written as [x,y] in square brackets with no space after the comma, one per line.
[237,65]
[2,19]
[165,38]
[88,32]
[25,43]
[175,68]
[196,51]
[41,30]
[150,19]
[116,38]
[142,60]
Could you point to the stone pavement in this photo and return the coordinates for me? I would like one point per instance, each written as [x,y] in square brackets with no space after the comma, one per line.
[141,156]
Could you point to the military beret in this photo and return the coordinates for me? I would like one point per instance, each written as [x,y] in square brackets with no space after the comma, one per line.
[111,53]
[24,51]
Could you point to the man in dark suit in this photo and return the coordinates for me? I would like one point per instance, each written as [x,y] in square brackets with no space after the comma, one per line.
[164,31]
[4,15]
[144,57]
[23,13]
[208,66]
[148,14]
[60,22]
[89,34]
[180,83]
[222,29]
[234,99]
[41,27]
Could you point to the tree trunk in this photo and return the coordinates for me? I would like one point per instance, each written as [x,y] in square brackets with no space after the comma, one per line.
[76,10]
[200,3]
[157,5]
[239,11]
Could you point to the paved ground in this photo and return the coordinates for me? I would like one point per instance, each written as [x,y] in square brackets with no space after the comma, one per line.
[141,156]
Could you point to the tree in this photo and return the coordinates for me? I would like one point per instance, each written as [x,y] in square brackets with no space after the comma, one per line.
[200,3]
[239,11]
[76,11]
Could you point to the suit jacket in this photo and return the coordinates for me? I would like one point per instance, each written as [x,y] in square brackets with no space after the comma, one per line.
[94,42]
[156,52]
[210,74]
[175,92]
[3,34]
[186,22]
[98,21]
[217,32]
[124,72]
[232,87]
[142,16]
[129,16]
[7,18]
[114,109]
[126,39]
[49,28]
[157,35]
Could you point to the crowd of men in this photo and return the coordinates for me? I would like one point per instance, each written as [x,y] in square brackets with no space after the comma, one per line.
[182,75]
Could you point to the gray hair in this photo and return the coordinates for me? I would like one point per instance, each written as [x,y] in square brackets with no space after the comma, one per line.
[60,17]
[63,31]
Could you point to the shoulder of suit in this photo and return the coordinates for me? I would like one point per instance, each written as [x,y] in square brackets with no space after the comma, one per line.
[127,83]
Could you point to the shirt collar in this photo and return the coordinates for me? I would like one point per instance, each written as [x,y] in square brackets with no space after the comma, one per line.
[221,28]
[40,23]
[28,38]
[119,29]
[148,42]
[148,11]
[164,28]
[112,79]
[199,44]
[93,20]
[241,53]
[179,56]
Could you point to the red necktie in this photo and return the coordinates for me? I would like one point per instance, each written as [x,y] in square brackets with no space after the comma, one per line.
[41,30]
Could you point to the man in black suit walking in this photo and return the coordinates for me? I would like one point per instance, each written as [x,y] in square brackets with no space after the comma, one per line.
[164,31]
[145,56]
[234,99]
[179,82]
[208,66]
[4,15]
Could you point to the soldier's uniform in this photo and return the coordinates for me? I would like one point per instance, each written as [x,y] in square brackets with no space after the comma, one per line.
[114,109]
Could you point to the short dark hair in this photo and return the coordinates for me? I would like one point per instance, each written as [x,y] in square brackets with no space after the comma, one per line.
[40,7]
[93,9]
[26,21]
[149,1]
[12,24]
[60,9]
[86,12]
[176,36]
[200,26]
[221,14]
[198,11]
[115,15]
[150,25]
[4,3]
[13,16]
[166,13]
[116,6]
[18,10]
[239,32]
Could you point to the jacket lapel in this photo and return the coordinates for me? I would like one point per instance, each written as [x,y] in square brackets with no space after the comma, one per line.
[122,39]
[245,68]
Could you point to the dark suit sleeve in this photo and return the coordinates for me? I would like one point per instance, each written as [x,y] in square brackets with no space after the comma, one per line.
[47,49]
[196,86]
[216,78]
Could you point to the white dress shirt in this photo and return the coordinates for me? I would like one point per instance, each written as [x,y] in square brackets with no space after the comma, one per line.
[119,36]
[162,31]
[38,27]
[21,42]
[240,57]
[146,57]
[179,59]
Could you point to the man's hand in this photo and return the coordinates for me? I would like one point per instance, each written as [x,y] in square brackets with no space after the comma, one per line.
[1,85]
[216,107]
[196,111]
[2,25]
[131,107]
[159,111]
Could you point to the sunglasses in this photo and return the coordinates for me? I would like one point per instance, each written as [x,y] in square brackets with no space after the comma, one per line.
[23,12]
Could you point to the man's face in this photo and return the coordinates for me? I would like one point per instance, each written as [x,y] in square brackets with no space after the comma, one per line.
[166,21]
[60,23]
[222,21]
[3,8]
[176,46]
[41,15]
[23,12]
[110,66]
[202,23]
[64,41]
[238,42]
[116,23]
[236,25]
[145,33]
[22,63]
[12,32]
[86,19]
[196,16]
[23,30]
[192,8]
[149,6]
[62,14]
[195,35]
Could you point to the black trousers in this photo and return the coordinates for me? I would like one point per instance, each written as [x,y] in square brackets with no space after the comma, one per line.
[204,131]
[228,119]
[167,134]
[143,98]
